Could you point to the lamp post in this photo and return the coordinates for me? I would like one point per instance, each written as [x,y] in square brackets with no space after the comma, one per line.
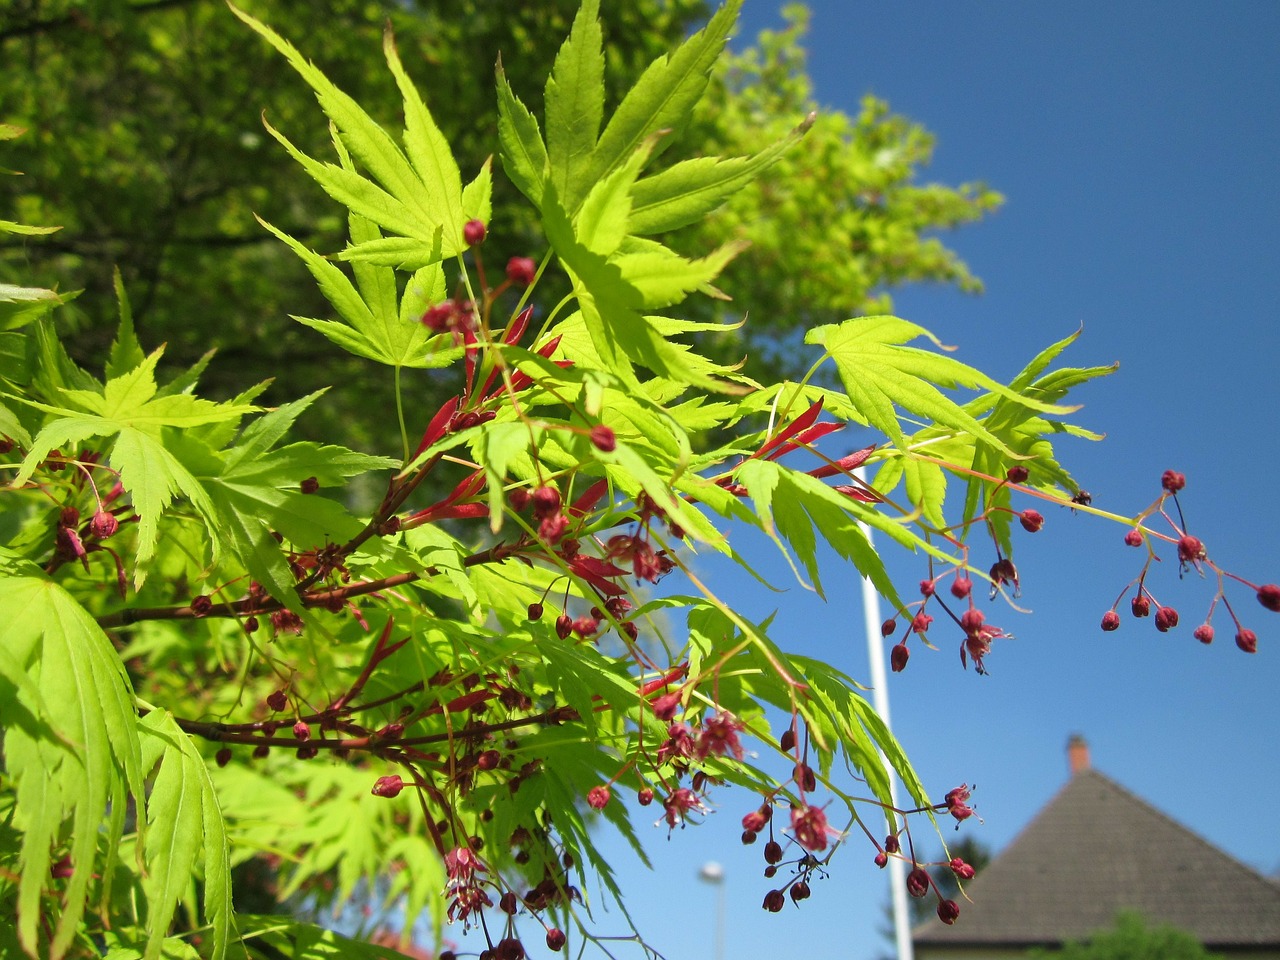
[713,873]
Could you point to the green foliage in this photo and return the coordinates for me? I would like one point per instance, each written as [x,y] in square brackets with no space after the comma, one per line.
[144,145]
[1132,939]
[230,647]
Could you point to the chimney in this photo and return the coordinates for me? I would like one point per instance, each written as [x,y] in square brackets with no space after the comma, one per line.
[1077,753]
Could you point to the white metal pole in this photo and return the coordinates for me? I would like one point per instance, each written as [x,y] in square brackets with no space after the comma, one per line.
[880,700]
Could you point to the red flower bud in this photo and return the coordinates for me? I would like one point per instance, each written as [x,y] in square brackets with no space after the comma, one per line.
[277,700]
[201,605]
[774,901]
[881,860]
[892,844]
[889,627]
[748,837]
[961,587]
[301,730]
[1247,640]
[799,891]
[645,796]
[1031,520]
[473,232]
[927,587]
[961,869]
[309,485]
[388,786]
[1190,549]
[1166,619]
[1140,606]
[564,626]
[223,756]
[1017,474]
[787,741]
[918,882]
[603,438]
[1173,481]
[772,851]
[665,706]
[103,525]
[898,657]
[1133,538]
[521,270]
[598,797]
[546,502]
[1203,633]
[1269,596]
[1110,621]
[948,910]
[555,939]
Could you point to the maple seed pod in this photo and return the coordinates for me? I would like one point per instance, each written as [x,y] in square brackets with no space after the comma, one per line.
[521,270]
[1269,596]
[603,438]
[389,786]
[309,485]
[223,756]
[1203,633]
[301,730]
[898,657]
[1247,640]
[772,852]
[1140,606]
[774,901]
[918,882]
[889,628]
[1110,621]
[1133,538]
[948,910]
[473,232]
[799,891]
[555,939]
[1166,619]
[1173,481]
[278,700]
[961,587]
[1017,474]
[103,525]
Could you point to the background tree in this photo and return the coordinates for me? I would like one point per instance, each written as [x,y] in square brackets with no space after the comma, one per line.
[1132,939]
[146,147]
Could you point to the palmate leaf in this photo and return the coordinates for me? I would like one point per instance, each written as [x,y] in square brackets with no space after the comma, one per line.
[129,409]
[792,505]
[87,769]
[880,374]
[420,194]
[186,835]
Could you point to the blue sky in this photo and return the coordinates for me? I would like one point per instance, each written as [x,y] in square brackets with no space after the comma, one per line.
[1137,146]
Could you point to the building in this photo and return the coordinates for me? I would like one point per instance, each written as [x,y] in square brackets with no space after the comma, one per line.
[1094,850]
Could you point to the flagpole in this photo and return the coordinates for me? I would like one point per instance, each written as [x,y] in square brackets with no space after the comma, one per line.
[880,700]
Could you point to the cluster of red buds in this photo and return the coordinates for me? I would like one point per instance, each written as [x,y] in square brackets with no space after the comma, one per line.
[1192,556]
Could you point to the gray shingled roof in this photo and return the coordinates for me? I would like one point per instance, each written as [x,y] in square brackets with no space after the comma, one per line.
[1096,849]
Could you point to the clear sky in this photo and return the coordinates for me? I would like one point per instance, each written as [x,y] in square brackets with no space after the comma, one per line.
[1137,145]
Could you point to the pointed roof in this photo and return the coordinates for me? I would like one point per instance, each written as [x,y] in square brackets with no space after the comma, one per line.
[1097,849]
